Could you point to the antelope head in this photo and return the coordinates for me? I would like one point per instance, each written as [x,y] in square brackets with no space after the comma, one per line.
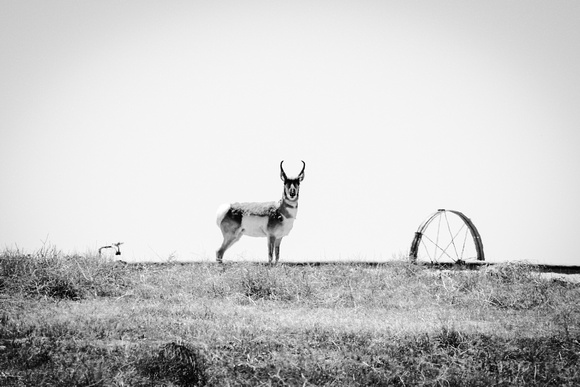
[291,186]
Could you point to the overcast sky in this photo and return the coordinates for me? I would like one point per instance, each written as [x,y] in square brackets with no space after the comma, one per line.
[134,120]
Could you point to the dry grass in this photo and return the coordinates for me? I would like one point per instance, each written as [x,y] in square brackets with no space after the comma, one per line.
[81,320]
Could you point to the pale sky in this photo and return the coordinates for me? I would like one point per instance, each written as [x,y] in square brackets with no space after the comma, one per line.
[134,120]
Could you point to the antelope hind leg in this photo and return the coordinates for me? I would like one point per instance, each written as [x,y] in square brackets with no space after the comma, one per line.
[229,240]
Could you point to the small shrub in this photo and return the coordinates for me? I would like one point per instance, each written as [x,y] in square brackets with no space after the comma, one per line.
[56,286]
[405,269]
[513,286]
[450,338]
[272,284]
[512,273]
[181,364]
[49,273]
[259,285]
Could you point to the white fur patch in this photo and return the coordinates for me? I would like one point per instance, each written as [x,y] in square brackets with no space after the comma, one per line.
[255,226]
[221,212]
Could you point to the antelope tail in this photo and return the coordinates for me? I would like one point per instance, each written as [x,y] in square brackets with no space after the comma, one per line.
[221,212]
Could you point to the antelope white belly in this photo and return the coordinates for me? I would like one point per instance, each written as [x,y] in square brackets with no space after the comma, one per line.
[255,226]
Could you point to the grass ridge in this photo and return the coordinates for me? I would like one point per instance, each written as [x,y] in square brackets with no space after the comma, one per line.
[87,321]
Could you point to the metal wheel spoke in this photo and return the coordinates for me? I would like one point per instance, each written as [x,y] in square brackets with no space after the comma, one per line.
[452,242]
[464,242]
[453,239]
[437,243]
[426,249]
[451,235]
[443,251]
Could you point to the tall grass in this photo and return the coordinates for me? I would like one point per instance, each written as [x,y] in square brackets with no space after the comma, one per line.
[49,273]
[83,320]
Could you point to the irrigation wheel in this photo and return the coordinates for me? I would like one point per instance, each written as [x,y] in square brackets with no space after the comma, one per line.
[443,237]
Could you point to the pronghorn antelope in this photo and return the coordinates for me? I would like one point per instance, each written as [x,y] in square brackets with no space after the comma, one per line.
[272,220]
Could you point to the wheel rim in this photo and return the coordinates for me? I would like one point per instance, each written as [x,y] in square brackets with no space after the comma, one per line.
[447,236]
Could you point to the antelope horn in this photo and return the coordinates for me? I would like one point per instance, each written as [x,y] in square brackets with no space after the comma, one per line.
[301,174]
[282,173]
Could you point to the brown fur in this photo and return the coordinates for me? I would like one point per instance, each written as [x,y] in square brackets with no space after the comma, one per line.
[258,209]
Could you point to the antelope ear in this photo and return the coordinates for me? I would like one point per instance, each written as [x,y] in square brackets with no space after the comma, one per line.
[301,175]
[282,174]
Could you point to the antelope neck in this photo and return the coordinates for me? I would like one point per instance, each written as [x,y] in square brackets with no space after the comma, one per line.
[286,206]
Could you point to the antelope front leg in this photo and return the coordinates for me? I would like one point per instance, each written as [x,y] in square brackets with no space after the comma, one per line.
[277,248]
[271,244]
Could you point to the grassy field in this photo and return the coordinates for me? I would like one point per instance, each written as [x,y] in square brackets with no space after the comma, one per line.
[86,321]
